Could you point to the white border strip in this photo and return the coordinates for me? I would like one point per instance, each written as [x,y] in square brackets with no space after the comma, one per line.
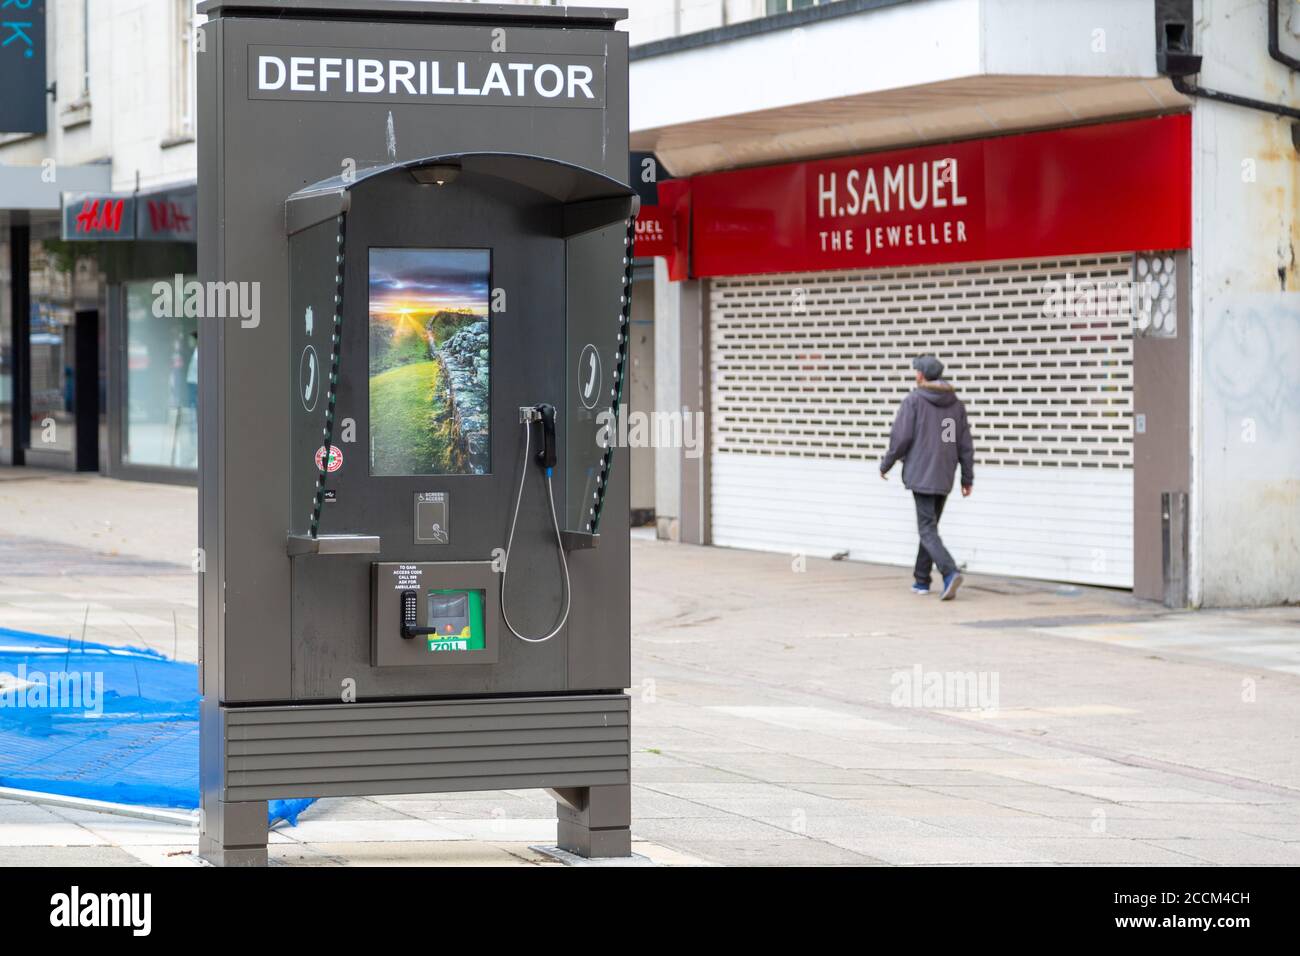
[157,814]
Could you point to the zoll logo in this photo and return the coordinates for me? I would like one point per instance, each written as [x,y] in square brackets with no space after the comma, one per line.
[77,909]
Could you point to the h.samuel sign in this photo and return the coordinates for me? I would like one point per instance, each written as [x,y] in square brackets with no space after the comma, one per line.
[1108,187]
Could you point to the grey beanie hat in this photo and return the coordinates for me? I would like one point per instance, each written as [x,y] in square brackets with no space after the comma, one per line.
[929,367]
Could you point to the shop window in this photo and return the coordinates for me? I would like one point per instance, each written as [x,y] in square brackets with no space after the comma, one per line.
[6,351]
[160,424]
[62,282]
[183,71]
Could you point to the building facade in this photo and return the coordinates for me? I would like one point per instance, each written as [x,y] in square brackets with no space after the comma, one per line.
[1056,198]
[1086,208]
[97,204]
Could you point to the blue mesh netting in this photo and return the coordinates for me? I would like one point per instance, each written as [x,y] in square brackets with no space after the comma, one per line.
[105,723]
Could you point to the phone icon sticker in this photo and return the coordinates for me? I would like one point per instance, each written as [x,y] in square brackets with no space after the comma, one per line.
[589,376]
[308,379]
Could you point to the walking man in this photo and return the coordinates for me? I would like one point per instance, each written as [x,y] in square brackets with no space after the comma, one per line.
[931,437]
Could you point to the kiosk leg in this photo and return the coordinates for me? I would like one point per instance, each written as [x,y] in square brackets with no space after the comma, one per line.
[594,821]
[234,834]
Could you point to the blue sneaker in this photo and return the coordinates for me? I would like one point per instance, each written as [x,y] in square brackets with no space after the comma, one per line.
[920,589]
[951,582]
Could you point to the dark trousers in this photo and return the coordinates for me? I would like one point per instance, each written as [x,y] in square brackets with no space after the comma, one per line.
[929,509]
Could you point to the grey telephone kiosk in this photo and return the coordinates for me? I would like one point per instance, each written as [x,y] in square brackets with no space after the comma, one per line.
[415,531]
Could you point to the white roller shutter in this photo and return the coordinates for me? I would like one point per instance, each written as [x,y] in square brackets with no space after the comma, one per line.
[807,371]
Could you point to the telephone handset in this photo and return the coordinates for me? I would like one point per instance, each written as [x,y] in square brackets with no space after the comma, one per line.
[543,415]
[546,453]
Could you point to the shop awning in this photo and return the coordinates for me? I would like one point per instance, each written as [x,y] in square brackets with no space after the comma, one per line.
[29,187]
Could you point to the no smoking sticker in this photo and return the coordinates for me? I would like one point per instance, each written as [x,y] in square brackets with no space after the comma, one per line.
[336,458]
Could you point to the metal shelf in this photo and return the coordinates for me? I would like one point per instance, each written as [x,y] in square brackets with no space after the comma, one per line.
[300,544]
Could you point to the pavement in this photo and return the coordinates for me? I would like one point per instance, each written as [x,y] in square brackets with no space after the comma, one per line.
[786,710]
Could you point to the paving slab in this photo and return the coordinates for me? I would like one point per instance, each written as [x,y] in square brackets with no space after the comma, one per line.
[1122,733]
[774,853]
[1101,849]
[682,831]
[1236,851]
[40,855]
[903,849]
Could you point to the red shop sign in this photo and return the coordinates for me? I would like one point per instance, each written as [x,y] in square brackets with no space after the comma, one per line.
[99,216]
[1111,187]
[654,232]
[664,230]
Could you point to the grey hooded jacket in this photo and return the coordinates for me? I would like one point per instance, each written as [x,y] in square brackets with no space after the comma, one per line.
[931,436]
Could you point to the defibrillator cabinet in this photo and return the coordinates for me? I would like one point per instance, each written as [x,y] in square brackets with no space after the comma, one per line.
[413,517]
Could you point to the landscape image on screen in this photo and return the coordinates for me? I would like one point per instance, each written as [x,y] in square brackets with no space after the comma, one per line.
[429,362]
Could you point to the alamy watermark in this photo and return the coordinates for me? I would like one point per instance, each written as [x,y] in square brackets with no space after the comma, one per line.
[78,908]
[945,690]
[176,297]
[1092,298]
[684,429]
[52,690]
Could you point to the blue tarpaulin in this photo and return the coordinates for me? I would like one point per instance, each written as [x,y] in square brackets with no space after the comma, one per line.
[119,724]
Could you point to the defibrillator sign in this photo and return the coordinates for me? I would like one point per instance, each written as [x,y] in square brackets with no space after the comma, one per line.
[392,76]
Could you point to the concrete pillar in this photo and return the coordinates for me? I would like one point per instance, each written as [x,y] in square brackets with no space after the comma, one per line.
[640,392]
[681,406]
[1245,502]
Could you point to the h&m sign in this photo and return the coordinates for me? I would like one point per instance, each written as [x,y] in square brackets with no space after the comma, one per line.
[164,216]
[102,216]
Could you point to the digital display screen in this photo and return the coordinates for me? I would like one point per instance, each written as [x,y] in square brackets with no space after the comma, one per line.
[456,618]
[449,606]
[430,357]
